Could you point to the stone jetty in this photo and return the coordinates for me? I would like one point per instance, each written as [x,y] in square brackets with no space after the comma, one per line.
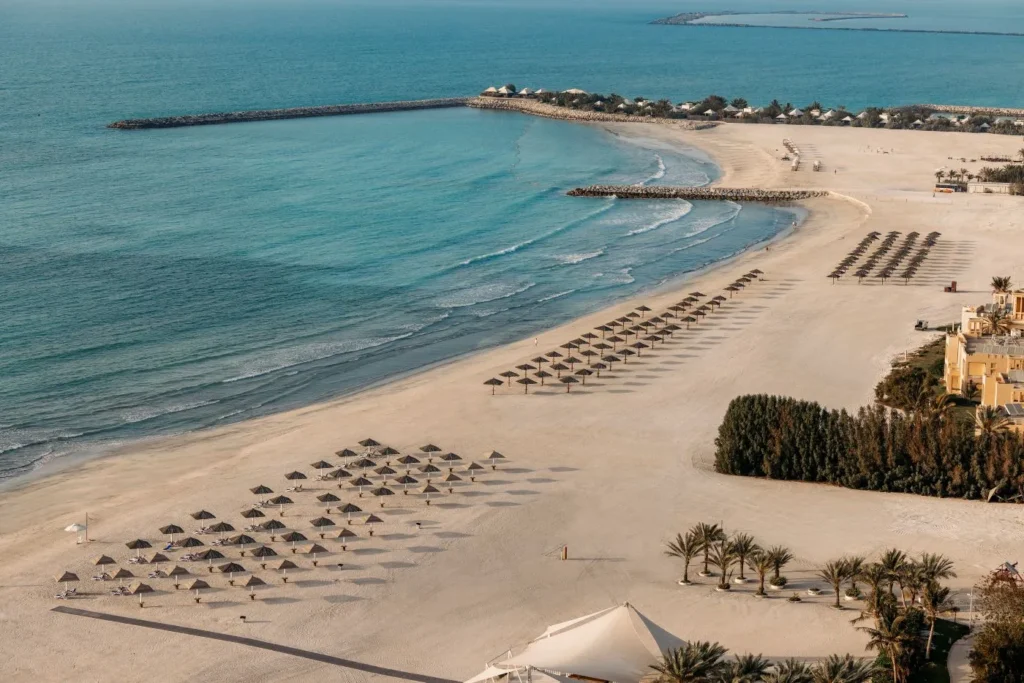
[974,111]
[550,111]
[292,113]
[736,194]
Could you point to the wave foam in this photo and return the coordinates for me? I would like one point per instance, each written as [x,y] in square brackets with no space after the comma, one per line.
[148,413]
[572,259]
[286,358]
[481,295]
[672,218]
[556,296]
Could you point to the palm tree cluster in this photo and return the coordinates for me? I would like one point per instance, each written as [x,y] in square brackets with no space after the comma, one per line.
[926,451]
[703,662]
[997,655]
[730,555]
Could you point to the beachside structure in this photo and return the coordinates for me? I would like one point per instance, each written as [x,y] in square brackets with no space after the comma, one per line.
[990,362]
[616,644]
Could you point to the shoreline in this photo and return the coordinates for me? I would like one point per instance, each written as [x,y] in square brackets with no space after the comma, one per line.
[60,465]
[612,471]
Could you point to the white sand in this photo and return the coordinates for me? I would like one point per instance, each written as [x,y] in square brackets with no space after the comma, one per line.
[613,472]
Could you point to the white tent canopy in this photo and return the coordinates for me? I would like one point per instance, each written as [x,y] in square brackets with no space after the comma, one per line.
[617,644]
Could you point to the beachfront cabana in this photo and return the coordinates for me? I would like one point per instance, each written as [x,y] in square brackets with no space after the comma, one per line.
[795,114]
[490,91]
[575,91]
[525,92]
[780,117]
[505,91]
[616,644]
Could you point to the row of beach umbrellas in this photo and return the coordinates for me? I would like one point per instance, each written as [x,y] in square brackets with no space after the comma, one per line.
[597,351]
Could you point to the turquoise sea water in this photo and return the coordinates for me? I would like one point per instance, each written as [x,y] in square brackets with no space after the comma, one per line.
[161,281]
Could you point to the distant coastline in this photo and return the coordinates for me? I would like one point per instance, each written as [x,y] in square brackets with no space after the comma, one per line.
[820,18]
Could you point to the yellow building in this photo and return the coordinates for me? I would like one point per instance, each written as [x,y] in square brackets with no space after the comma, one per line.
[991,364]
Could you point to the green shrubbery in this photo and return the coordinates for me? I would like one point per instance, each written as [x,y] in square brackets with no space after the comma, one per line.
[927,452]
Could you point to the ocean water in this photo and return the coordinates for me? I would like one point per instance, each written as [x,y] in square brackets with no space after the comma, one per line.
[158,282]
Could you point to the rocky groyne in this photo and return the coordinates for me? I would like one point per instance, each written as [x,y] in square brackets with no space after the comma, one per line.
[736,194]
[291,113]
[974,111]
[550,111]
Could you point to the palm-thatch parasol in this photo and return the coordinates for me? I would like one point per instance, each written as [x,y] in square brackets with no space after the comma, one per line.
[373,519]
[157,558]
[542,374]
[362,464]
[526,382]
[137,545]
[321,522]
[451,480]
[643,309]
[689,319]
[430,470]
[494,383]
[508,375]
[339,474]
[387,451]
[103,559]
[262,490]
[588,336]
[242,540]
[369,443]
[138,588]
[291,476]
[572,360]
[428,491]
[231,568]
[526,367]
[584,373]
[558,368]
[272,525]
[66,578]
[381,492]
[177,570]
[315,550]
[569,346]
[604,329]
[598,367]
[385,471]
[280,500]
[321,465]
[328,498]
[196,585]
[406,481]
[221,528]
[473,469]
[430,448]
[568,381]
[210,554]
[170,530]
[626,353]
[346,453]
[344,535]
[203,514]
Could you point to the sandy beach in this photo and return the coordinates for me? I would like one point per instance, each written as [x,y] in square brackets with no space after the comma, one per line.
[612,470]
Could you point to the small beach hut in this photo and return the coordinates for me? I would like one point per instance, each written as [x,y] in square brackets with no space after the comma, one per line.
[505,91]
[780,117]
[795,114]
[525,92]
[491,91]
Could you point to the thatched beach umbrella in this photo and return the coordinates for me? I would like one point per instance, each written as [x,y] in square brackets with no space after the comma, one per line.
[626,353]
[381,492]
[293,537]
[196,585]
[231,568]
[451,480]
[328,498]
[363,464]
[66,578]
[408,461]
[369,443]
[558,368]
[157,558]
[210,554]
[615,339]
[450,459]
[584,373]
[170,530]
[732,289]
[138,588]
[221,528]
[572,360]
[639,345]
[138,545]
[569,346]
[526,382]
[603,329]
[508,375]
[473,469]
[643,309]
[588,336]
[122,574]
[177,570]
[203,514]
[294,476]
[543,374]
[428,491]
[387,451]
[262,490]
[526,367]
[430,470]
[689,319]
[339,474]
[242,540]
[321,522]
[568,381]
[315,550]
[361,483]
[285,565]
[344,535]
[539,360]
[406,481]
[346,453]
[598,367]
[494,383]
[321,465]
[385,471]
[372,520]
[103,560]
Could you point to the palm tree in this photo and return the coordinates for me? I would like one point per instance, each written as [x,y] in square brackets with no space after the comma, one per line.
[997,322]
[745,669]
[856,565]
[892,561]
[685,548]
[835,573]
[1021,153]
[940,407]
[723,556]
[694,662]
[789,671]
[990,420]
[743,545]
[843,669]
[707,535]
[934,601]
[939,175]
[971,391]
[760,562]
[910,581]
[891,637]
[934,567]
[1001,284]
[780,556]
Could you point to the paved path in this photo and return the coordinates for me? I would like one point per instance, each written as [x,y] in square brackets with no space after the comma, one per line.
[252,642]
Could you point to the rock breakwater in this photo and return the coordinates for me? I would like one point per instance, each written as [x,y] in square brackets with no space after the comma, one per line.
[974,111]
[736,194]
[534,108]
[291,113]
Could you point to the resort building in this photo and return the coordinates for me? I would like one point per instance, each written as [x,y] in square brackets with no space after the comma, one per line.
[985,355]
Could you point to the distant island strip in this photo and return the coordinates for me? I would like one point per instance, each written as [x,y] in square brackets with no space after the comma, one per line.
[695,19]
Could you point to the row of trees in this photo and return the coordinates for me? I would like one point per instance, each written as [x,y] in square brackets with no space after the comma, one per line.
[903,596]
[703,662]
[729,554]
[998,652]
[929,451]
